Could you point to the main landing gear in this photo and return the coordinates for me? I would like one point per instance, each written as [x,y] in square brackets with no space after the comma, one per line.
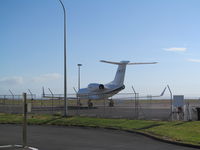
[111,103]
[90,104]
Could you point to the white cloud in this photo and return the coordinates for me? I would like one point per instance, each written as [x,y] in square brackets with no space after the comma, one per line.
[47,77]
[194,60]
[176,49]
[11,80]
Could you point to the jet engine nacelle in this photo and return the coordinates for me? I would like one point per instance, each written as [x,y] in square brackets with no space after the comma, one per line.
[95,86]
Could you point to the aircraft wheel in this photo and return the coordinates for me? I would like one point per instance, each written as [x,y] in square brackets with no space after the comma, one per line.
[111,103]
[90,104]
[79,104]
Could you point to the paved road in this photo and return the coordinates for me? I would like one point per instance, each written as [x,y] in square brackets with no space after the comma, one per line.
[74,138]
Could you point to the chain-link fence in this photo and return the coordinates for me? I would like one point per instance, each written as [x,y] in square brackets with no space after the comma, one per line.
[129,108]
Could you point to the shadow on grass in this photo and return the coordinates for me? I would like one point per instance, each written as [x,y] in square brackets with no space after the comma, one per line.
[150,126]
[178,124]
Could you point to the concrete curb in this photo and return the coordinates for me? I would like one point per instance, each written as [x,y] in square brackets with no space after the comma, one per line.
[156,138]
[163,140]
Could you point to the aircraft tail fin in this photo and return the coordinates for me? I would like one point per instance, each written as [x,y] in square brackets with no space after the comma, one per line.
[120,74]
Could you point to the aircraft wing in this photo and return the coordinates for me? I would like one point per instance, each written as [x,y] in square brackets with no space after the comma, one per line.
[57,97]
[150,95]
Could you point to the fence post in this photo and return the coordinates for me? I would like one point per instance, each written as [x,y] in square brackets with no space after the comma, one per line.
[4,99]
[171,102]
[24,120]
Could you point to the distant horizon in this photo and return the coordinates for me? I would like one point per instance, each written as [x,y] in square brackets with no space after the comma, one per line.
[123,95]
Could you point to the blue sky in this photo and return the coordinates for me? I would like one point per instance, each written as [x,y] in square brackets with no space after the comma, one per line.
[31,44]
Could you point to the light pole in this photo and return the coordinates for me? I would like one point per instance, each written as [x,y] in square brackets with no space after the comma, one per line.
[79,65]
[79,72]
[65,63]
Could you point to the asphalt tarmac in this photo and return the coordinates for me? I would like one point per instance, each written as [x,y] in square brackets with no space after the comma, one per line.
[75,138]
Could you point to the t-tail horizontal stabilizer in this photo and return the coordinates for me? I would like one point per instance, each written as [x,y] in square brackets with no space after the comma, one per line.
[127,62]
[120,74]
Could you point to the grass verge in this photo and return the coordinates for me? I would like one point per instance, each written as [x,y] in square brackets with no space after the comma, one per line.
[182,132]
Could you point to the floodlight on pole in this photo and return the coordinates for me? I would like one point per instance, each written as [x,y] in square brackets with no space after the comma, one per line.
[65,62]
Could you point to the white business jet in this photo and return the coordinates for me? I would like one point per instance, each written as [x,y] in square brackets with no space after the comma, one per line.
[95,91]
[98,91]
